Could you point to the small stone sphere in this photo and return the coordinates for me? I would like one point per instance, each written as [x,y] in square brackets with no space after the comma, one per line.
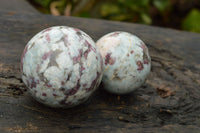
[61,66]
[126,62]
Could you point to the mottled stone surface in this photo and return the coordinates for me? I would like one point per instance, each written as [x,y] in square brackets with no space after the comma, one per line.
[126,62]
[61,66]
[168,102]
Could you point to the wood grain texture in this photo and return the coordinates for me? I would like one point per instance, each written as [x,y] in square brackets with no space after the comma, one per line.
[17,6]
[167,102]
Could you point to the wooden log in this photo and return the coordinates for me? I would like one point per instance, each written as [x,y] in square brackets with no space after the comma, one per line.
[19,6]
[167,102]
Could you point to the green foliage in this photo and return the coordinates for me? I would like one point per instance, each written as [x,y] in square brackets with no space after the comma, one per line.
[138,11]
[132,10]
[109,9]
[60,5]
[161,5]
[146,19]
[192,21]
[84,14]
[127,10]
[43,3]
[130,3]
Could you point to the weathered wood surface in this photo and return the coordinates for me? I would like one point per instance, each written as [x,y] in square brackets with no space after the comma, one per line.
[19,6]
[167,102]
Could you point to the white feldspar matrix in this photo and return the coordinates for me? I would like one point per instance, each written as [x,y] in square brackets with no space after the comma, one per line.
[61,66]
[126,62]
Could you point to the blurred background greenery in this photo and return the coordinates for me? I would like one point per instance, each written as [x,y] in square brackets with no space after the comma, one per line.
[178,14]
